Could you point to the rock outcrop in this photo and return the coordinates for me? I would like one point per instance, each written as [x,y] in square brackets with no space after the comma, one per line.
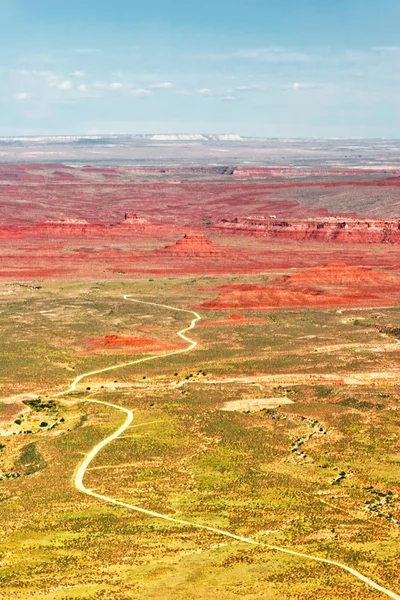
[134,219]
[193,244]
[327,229]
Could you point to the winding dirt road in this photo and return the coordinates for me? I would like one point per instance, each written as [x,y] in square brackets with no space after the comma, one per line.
[81,471]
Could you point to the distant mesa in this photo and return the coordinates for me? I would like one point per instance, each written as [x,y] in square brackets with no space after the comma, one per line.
[134,219]
[196,137]
[193,244]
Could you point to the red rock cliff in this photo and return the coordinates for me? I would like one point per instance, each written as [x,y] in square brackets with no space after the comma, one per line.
[329,229]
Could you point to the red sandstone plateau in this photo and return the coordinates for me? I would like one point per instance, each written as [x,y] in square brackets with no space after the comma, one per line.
[356,231]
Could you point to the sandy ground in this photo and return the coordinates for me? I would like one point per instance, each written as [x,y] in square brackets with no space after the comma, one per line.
[255,404]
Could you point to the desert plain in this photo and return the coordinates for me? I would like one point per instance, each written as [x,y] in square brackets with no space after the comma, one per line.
[237,454]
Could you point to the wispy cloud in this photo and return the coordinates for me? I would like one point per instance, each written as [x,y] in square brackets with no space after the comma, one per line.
[303,85]
[203,92]
[141,93]
[166,85]
[21,96]
[248,88]
[63,85]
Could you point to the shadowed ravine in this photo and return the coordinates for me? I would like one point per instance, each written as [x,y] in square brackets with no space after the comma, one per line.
[82,468]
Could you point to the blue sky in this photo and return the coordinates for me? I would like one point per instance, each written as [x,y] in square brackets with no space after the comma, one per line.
[284,68]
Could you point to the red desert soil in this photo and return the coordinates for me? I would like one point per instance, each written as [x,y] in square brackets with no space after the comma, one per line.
[95,251]
[357,286]
[54,226]
[101,194]
[110,342]
[234,319]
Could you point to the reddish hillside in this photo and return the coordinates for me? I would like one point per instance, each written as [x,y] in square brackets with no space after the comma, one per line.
[269,297]
[336,284]
[339,274]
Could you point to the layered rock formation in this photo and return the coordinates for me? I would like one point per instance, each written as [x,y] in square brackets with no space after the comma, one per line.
[193,244]
[65,227]
[371,231]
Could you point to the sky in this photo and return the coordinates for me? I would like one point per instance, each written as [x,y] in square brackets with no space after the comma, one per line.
[281,68]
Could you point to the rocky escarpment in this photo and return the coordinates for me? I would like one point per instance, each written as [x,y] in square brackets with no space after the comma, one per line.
[327,229]
[65,227]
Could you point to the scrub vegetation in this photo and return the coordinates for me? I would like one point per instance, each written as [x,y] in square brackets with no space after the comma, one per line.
[318,475]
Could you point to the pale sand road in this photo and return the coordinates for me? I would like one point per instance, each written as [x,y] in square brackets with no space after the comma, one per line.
[81,471]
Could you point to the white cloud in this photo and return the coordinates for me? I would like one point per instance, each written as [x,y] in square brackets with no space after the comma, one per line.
[78,74]
[66,84]
[203,92]
[141,92]
[227,98]
[297,85]
[247,88]
[104,85]
[83,88]
[163,86]
[21,96]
